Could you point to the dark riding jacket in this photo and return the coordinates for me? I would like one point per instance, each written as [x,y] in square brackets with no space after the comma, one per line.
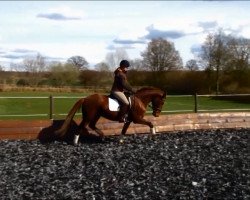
[120,81]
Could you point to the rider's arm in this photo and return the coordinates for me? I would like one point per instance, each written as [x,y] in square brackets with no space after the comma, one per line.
[125,84]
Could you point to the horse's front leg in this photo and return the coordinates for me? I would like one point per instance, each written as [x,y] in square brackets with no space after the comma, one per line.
[145,122]
[125,128]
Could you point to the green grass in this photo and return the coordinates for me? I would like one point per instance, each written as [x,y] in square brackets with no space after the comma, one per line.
[173,104]
[204,103]
[19,106]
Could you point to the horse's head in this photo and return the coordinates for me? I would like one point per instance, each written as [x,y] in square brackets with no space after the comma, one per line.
[154,95]
[157,103]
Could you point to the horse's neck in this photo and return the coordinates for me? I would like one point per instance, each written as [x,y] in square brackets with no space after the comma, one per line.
[147,94]
[145,98]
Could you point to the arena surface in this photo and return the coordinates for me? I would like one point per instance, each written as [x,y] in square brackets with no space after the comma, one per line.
[205,164]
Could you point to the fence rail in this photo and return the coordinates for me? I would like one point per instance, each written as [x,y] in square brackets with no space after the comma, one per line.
[195,109]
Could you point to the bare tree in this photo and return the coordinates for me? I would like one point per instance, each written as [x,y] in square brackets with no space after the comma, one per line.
[34,65]
[1,68]
[114,58]
[103,76]
[161,55]
[102,66]
[137,64]
[29,65]
[16,67]
[63,74]
[40,62]
[214,54]
[192,65]
[239,50]
[78,61]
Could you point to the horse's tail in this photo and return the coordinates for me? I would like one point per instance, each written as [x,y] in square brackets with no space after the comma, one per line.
[61,132]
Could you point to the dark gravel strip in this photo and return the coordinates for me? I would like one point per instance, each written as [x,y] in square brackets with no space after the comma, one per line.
[184,165]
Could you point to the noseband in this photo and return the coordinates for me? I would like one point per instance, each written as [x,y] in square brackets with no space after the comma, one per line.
[154,108]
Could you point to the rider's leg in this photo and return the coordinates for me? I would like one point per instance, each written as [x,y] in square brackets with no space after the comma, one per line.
[123,107]
[122,113]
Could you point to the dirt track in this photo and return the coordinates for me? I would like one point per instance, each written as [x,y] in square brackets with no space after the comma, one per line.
[210,164]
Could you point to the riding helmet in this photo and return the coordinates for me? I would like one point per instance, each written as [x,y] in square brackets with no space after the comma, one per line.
[124,63]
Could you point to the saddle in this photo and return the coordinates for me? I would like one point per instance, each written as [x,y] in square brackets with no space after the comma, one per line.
[114,104]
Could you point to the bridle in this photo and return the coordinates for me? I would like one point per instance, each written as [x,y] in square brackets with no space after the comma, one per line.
[158,107]
[154,108]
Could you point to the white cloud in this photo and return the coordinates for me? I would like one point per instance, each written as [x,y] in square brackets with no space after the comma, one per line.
[246,32]
[132,34]
[67,11]
[92,52]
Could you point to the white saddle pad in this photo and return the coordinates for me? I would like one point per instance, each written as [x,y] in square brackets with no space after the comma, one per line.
[113,105]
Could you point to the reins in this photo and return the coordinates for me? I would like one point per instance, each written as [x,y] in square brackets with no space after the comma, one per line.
[152,107]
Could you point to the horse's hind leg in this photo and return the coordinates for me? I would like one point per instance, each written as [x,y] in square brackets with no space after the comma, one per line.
[81,131]
[83,127]
[92,125]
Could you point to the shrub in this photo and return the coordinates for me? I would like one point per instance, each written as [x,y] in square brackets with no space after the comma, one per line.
[22,82]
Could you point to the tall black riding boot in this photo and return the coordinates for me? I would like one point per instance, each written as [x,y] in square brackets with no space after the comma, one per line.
[122,113]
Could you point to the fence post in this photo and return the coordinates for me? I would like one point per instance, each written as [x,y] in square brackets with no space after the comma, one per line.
[195,103]
[51,107]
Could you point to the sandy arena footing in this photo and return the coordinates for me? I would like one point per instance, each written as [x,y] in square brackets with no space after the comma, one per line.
[34,129]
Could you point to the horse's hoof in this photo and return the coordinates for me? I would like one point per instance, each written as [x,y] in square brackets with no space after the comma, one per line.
[102,138]
[152,130]
[75,141]
[121,141]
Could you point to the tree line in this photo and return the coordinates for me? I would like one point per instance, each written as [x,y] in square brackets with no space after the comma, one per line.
[221,65]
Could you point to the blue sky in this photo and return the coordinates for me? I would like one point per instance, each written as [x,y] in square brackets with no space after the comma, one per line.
[61,29]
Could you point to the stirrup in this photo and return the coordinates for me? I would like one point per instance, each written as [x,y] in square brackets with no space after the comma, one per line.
[124,119]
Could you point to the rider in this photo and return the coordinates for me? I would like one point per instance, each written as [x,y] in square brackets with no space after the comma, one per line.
[121,85]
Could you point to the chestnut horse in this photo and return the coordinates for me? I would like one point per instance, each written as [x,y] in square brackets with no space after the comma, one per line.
[96,106]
